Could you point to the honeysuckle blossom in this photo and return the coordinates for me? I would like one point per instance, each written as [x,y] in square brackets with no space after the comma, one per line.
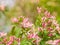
[44,24]
[47,14]
[9,43]
[39,9]
[26,23]
[17,39]
[49,29]
[30,36]
[50,34]
[57,42]
[44,18]
[11,39]
[40,28]
[14,20]
[5,40]
[54,22]
[53,42]
[57,28]
[49,21]
[49,42]
[34,36]
[53,17]
[2,34]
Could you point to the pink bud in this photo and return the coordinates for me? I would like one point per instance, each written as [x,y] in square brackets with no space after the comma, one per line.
[32,36]
[18,39]
[57,28]
[9,43]
[39,9]
[14,20]
[44,18]
[44,24]
[49,22]
[50,34]
[47,14]
[54,22]
[5,40]
[49,29]
[26,23]
[12,38]
[39,29]
[2,7]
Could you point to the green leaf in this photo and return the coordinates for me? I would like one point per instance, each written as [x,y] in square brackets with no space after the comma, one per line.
[25,42]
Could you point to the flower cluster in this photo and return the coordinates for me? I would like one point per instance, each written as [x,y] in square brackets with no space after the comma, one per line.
[49,27]
[10,41]
[44,31]
[54,42]
[26,23]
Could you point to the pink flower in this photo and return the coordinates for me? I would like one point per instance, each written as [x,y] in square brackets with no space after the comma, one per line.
[35,36]
[49,22]
[9,43]
[50,34]
[56,42]
[44,18]
[32,36]
[53,17]
[54,22]
[44,24]
[14,20]
[53,42]
[39,9]
[49,29]
[18,39]
[47,14]
[2,34]
[18,43]
[11,40]
[5,40]
[26,23]
[57,28]
[2,7]
[40,29]
[49,42]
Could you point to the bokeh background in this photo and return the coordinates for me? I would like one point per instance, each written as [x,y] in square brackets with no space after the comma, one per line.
[26,8]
